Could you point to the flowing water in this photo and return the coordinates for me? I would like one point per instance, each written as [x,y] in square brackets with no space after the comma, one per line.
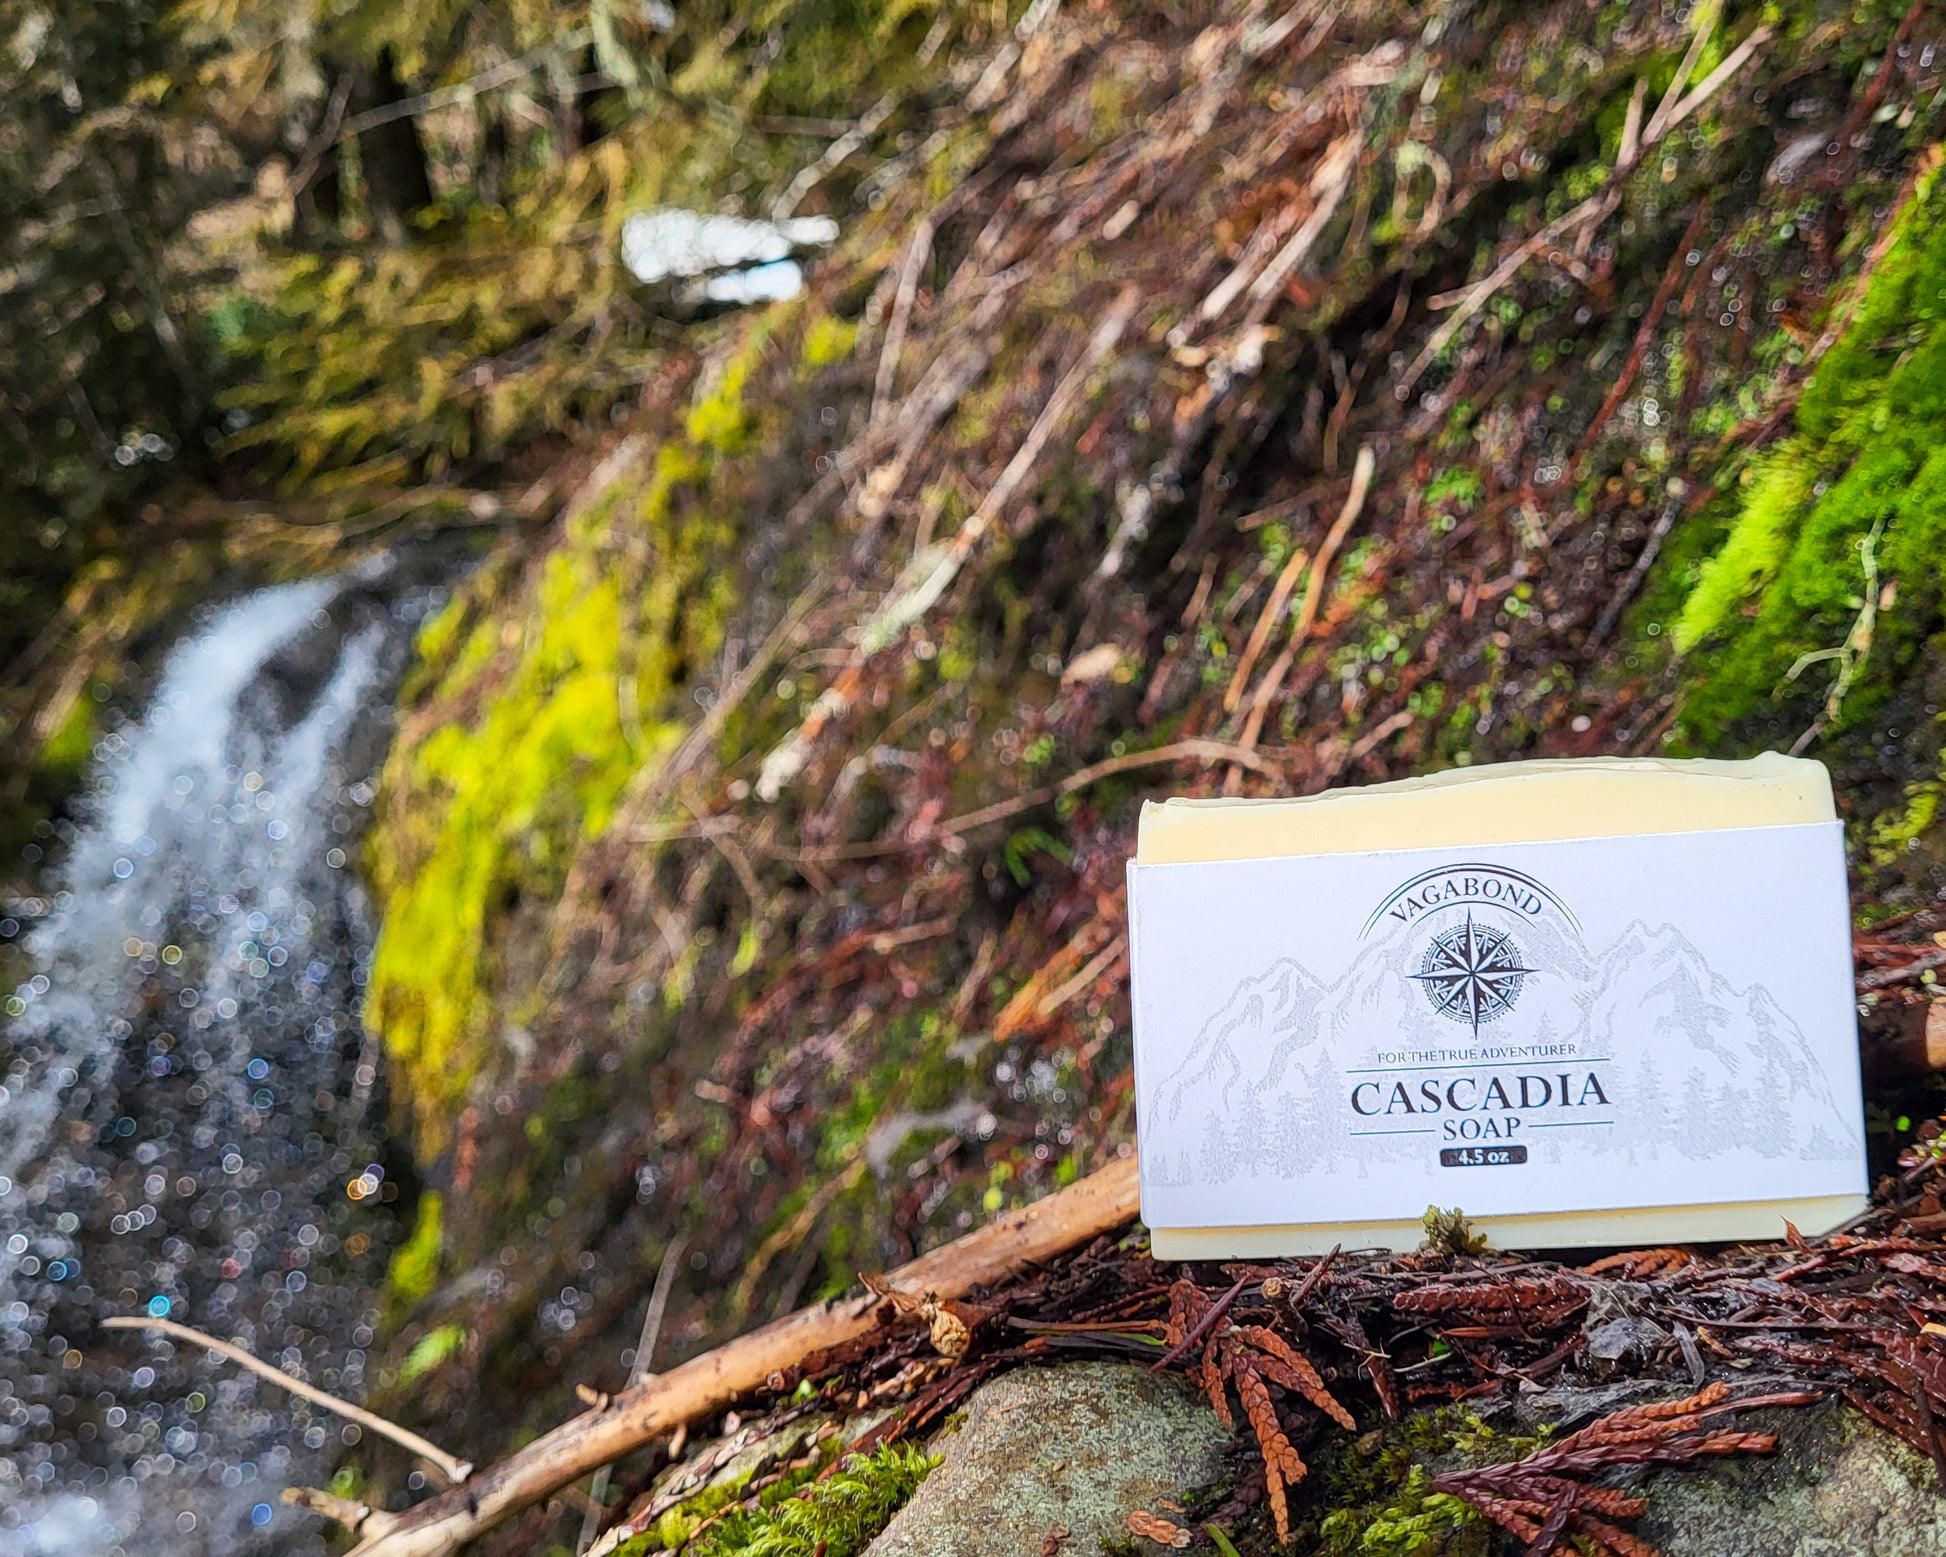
[187,1095]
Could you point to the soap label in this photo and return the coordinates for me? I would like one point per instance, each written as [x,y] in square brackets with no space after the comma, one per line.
[1589,1025]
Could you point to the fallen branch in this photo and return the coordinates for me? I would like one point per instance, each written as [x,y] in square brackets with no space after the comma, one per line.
[357,1518]
[1098,1204]
[454,1470]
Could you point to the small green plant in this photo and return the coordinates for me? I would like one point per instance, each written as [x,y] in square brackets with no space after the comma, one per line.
[1373,1496]
[1449,1232]
[1416,1520]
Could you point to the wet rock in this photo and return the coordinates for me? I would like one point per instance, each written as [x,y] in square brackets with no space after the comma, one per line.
[1625,1340]
[1837,1487]
[1615,1329]
[1077,1447]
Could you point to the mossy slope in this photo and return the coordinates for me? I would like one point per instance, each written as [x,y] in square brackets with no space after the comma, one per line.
[1813,623]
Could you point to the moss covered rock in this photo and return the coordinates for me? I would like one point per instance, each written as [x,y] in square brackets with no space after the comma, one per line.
[1837,1487]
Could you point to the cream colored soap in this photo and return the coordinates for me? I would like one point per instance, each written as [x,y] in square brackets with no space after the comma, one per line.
[1508,803]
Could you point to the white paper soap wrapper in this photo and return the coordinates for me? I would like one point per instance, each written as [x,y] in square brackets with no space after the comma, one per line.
[1588,1002]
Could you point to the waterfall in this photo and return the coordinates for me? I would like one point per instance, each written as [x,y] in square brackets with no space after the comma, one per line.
[186,1090]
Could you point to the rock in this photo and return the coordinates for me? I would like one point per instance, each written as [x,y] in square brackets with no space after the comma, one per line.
[1079,1446]
[1625,1340]
[1837,1487]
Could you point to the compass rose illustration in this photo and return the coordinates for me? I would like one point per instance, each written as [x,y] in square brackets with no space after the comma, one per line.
[1472,973]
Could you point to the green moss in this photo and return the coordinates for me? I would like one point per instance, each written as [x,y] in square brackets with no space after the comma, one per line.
[829,340]
[1897,831]
[549,725]
[1416,1519]
[430,1350]
[415,1267]
[1852,506]
[676,1525]
[836,1516]
[507,316]
[67,751]
[809,1508]
[1373,1497]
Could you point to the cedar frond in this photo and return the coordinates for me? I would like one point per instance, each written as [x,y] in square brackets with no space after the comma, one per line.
[1288,1366]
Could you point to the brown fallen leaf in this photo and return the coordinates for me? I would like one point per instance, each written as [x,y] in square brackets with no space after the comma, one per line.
[1157,1529]
[951,1323]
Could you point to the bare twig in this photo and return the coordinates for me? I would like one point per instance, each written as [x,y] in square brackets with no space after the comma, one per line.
[1195,750]
[357,1518]
[1329,181]
[1911,972]
[794,1232]
[1271,615]
[1201,1328]
[329,129]
[1651,549]
[1651,321]
[1328,186]
[1081,778]
[454,1470]
[787,759]
[1850,654]
[1660,120]
[809,177]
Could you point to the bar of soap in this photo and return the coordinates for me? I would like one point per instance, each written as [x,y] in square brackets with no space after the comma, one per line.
[1325,1048]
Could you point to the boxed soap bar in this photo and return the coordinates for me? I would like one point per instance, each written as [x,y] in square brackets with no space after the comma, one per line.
[1589,1002]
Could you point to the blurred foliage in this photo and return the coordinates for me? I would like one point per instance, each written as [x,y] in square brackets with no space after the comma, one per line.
[105,367]
[499,306]
[345,246]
